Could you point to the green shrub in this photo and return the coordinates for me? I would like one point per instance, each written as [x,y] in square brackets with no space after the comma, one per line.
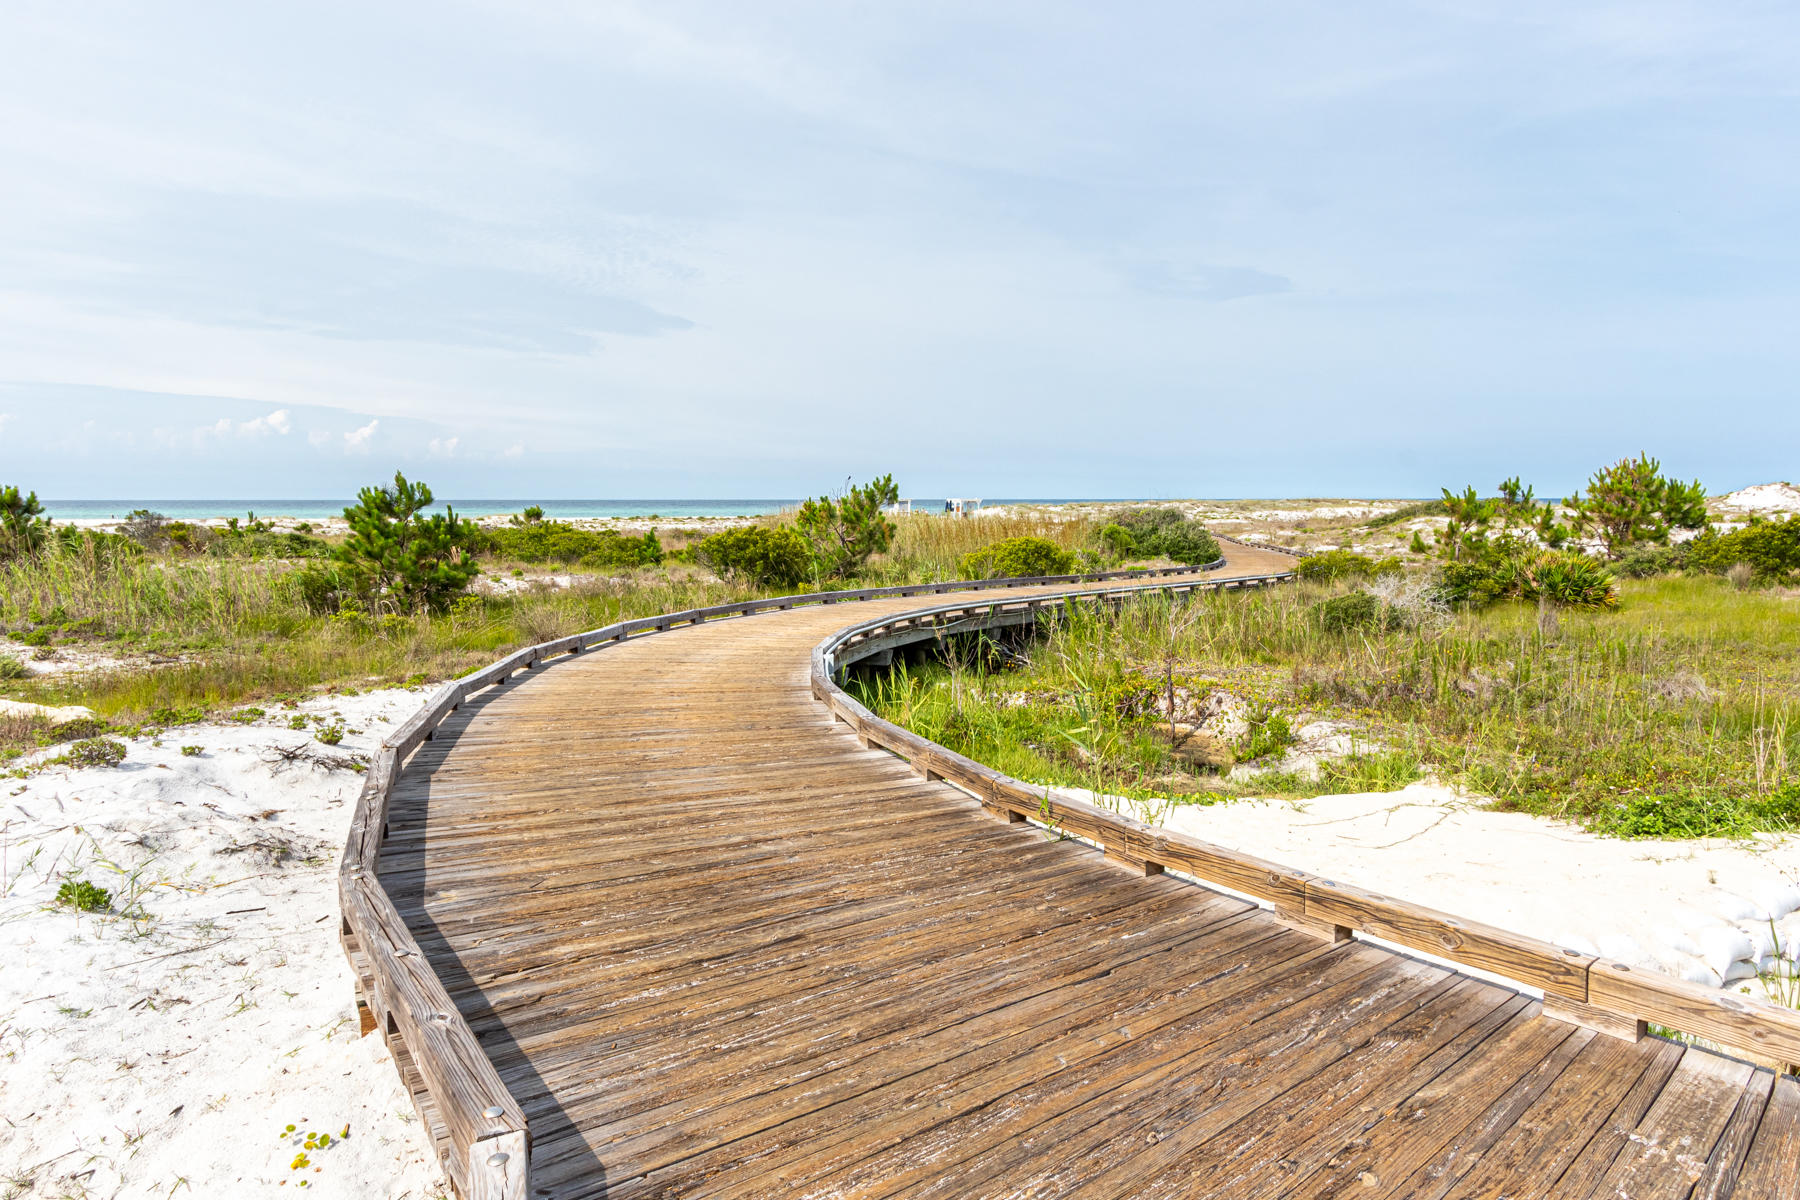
[560,542]
[82,896]
[1645,561]
[1116,540]
[74,731]
[94,752]
[1689,816]
[1188,543]
[1159,533]
[184,537]
[1771,548]
[1145,525]
[265,543]
[36,637]
[332,734]
[1355,612]
[618,552]
[1331,566]
[322,588]
[11,668]
[767,556]
[1019,557]
[192,751]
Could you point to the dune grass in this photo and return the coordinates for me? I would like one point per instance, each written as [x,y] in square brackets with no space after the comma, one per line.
[1677,715]
[931,546]
[230,630]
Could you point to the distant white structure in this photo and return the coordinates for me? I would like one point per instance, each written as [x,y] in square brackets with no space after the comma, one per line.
[962,506]
[899,507]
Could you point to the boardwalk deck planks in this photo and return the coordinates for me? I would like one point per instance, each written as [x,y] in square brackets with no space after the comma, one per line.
[687,921]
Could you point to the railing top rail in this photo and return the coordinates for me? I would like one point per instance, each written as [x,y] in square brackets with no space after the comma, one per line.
[1589,989]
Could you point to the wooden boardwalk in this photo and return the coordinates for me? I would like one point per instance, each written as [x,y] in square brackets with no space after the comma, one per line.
[715,947]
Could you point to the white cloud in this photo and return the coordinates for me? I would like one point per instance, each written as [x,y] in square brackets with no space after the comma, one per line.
[277,421]
[444,447]
[357,440]
[318,437]
[514,451]
[4,418]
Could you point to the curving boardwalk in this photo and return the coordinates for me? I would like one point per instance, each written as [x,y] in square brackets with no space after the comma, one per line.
[716,947]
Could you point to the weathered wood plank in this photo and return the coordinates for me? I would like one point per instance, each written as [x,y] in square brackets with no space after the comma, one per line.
[710,945]
[1755,1029]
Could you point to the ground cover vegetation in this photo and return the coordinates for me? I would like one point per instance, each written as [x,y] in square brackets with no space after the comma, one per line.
[1678,714]
[186,618]
[1515,662]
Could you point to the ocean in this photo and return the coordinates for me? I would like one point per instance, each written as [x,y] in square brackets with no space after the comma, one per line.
[313,510]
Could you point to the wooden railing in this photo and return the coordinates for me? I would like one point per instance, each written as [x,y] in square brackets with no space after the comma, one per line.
[1598,993]
[484,1140]
[1247,544]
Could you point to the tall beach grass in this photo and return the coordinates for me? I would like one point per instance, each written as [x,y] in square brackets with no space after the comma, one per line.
[1677,715]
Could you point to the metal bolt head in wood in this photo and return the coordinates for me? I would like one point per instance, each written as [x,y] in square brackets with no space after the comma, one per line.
[497,1160]
[493,1110]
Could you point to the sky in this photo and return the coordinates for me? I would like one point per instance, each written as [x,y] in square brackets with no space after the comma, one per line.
[1008,249]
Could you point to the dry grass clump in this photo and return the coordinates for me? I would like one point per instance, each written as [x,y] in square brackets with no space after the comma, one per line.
[931,546]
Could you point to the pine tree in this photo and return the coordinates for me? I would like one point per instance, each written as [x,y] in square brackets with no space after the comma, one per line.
[843,533]
[23,526]
[400,558]
[1631,503]
[1466,533]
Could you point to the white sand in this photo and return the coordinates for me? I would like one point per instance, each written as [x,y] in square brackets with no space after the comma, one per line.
[1710,911]
[1765,497]
[71,658]
[56,714]
[162,1054]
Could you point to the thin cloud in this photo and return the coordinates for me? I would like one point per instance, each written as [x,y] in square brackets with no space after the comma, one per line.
[443,447]
[357,440]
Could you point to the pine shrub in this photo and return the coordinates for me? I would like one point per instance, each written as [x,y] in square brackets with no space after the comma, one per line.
[1018,558]
[842,533]
[400,557]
